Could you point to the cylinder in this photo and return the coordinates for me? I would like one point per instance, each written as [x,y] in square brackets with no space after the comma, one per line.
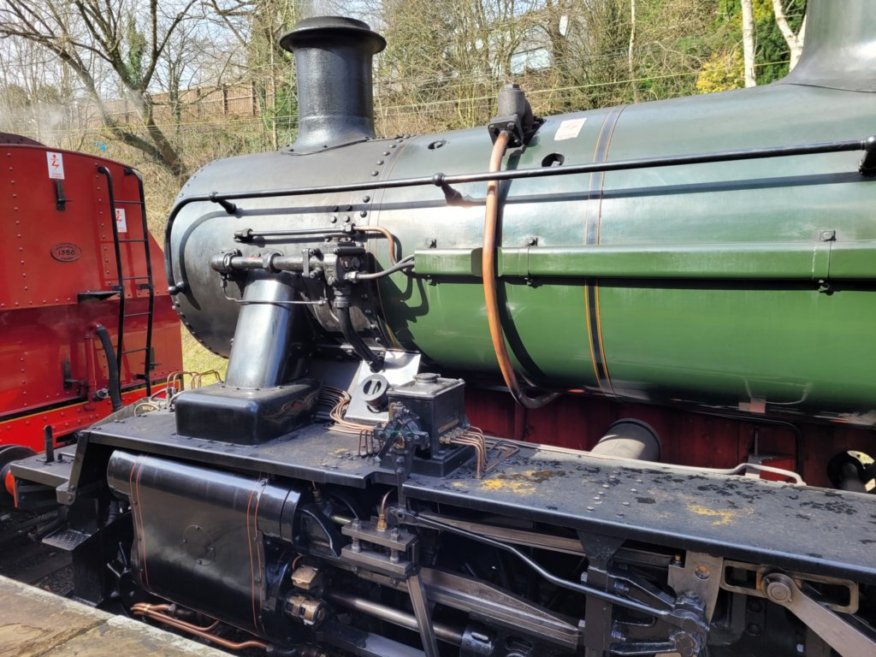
[199,536]
[629,439]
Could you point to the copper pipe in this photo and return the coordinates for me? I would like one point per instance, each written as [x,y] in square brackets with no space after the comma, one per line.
[390,239]
[201,632]
[147,609]
[381,515]
[505,452]
[488,270]
[477,441]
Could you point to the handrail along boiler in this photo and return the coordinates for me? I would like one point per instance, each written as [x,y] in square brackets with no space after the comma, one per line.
[685,289]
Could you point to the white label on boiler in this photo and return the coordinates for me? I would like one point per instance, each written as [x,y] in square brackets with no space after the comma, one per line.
[569,129]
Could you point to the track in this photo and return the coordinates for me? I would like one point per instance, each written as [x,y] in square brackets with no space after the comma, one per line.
[29,561]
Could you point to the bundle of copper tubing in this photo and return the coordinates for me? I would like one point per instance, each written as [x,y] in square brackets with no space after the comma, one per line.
[161,613]
[175,384]
[333,403]
[505,451]
[474,437]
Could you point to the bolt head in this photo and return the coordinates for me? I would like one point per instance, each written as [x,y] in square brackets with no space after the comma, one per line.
[779,591]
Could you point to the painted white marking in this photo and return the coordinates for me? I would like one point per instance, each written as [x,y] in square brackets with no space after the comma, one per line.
[569,129]
[121,221]
[56,165]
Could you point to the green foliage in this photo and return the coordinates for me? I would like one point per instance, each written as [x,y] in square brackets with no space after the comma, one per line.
[771,51]
[674,38]
[285,112]
[134,58]
[270,67]
[722,72]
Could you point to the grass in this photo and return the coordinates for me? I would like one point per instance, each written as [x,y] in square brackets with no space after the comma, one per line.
[198,359]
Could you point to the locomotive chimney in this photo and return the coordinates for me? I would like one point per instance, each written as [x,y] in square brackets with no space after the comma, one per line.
[333,64]
[839,50]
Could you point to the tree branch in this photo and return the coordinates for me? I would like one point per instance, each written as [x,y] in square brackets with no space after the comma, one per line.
[794,41]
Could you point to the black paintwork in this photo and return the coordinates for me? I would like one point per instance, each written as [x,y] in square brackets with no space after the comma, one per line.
[198,535]
[799,528]
[245,416]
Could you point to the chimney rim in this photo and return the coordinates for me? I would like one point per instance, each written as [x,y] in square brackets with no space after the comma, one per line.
[331,30]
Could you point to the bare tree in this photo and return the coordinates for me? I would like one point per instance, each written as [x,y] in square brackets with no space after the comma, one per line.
[794,41]
[632,50]
[106,44]
[748,43]
[257,26]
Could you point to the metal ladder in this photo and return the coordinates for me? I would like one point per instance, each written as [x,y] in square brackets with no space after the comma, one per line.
[145,280]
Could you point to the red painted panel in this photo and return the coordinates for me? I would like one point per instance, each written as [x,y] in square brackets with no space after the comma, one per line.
[688,438]
[28,430]
[51,364]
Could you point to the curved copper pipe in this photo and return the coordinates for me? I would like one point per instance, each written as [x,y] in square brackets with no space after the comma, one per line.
[151,610]
[150,607]
[381,514]
[195,630]
[488,271]
[390,239]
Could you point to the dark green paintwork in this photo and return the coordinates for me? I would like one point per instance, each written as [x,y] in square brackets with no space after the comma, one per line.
[823,261]
[719,284]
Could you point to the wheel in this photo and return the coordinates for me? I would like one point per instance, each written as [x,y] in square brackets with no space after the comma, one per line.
[8,454]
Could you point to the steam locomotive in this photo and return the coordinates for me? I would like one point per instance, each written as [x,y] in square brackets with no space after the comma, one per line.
[609,393]
[85,326]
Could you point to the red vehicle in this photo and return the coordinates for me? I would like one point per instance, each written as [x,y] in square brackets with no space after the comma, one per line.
[86,324]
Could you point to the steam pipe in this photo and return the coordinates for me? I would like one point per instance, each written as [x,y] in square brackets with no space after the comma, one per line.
[488,270]
[401,265]
[345,322]
[259,356]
